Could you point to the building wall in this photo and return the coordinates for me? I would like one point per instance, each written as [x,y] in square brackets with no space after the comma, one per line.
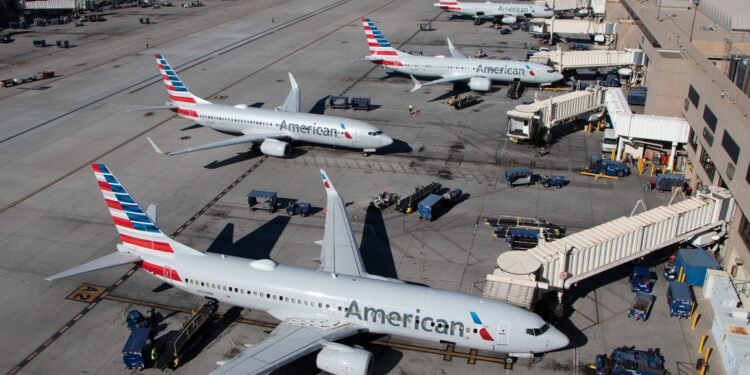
[669,80]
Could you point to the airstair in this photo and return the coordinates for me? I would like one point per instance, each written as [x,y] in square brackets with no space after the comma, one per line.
[566,60]
[525,121]
[560,264]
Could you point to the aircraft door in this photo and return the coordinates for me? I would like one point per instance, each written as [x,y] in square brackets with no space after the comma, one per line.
[501,336]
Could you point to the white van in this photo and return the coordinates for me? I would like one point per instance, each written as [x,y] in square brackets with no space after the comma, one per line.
[609,140]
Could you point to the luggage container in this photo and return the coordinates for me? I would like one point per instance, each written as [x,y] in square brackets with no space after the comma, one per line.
[338,102]
[637,96]
[361,104]
[519,176]
[139,343]
[666,181]
[641,306]
[262,200]
[429,207]
[680,300]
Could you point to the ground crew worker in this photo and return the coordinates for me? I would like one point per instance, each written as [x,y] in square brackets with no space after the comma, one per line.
[411,109]
[154,354]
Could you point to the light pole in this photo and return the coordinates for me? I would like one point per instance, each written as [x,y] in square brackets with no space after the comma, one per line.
[695,12]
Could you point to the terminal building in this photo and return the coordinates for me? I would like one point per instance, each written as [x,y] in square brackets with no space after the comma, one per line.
[697,57]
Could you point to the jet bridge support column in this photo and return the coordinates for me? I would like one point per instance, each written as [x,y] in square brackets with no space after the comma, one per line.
[670,163]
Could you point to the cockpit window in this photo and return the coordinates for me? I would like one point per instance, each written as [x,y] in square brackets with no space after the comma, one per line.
[552,71]
[379,132]
[538,331]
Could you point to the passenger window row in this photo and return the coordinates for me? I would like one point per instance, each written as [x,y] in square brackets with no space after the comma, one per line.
[237,120]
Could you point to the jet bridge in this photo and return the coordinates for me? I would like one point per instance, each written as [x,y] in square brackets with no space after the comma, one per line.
[566,60]
[525,121]
[562,263]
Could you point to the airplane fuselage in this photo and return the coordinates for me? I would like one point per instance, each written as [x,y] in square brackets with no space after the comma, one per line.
[383,307]
[492,10]
[303,127]
[495,70]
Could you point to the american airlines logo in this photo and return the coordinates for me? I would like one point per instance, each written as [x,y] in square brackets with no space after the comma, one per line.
[405,320]
[314,129]
[500,70]
[515,9]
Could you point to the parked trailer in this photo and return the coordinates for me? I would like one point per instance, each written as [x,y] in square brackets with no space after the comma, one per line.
[680,300]
[641,306]
[430,207]
[409,204]
[262,200]
[136,349]
[628,361]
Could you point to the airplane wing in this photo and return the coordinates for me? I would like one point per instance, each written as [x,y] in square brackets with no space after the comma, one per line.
[250,138]
[340,253]
[454,52]
[451,78]
[292,339]
[292,102]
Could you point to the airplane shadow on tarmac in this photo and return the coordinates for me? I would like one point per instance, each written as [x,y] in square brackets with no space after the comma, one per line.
[255,245]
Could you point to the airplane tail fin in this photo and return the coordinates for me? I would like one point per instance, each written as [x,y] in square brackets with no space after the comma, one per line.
[449,5]
[379,46]
[178,91]
[138,231]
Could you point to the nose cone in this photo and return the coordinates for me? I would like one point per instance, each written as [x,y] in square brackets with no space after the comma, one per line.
[385,140]
[558,76]
[557,339]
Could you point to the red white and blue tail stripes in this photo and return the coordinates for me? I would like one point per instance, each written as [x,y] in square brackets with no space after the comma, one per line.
[379,45]
[449,5]
[135,227]
[176,89]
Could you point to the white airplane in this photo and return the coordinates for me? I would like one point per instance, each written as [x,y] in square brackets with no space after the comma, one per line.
[478,73]
[316,307]
[272,129]
[503,12]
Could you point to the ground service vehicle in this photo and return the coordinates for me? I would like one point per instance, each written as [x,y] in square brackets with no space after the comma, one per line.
[608,167]
[429,207]
[641,281]
[680,300]
[515,90]
[263,200]
[298,208]
[667,181]
[519,176]
[137,348]
[641,306]
[409,204]
[556,181]
[628,361]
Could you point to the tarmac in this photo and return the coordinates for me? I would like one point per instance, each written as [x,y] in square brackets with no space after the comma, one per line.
[52,216]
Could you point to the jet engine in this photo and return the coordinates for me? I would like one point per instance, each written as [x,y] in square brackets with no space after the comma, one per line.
[340,359]
[275,148]
[479,84]
[509,19]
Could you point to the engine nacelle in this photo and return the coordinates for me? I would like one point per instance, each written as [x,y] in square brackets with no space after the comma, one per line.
[339,359]
[275,148]
[509,19]
[479,84]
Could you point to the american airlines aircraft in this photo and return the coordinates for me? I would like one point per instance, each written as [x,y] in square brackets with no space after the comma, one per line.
[316,307]
[478,73]
[272,129]
[503,12]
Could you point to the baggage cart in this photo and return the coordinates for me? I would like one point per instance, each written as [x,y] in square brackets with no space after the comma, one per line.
[262,200]
[641,306]
[680,300]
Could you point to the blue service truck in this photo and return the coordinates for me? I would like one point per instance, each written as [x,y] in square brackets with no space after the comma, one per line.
[641,280]
[607,167]
[137,348]
[680,300]
[432,206]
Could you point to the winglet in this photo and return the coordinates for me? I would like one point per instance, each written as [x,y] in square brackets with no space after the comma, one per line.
[327,184]
[156,148]
[417,84]
[292,81]
[454,52]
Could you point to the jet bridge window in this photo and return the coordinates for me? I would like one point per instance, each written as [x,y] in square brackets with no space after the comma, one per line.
[538,331]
